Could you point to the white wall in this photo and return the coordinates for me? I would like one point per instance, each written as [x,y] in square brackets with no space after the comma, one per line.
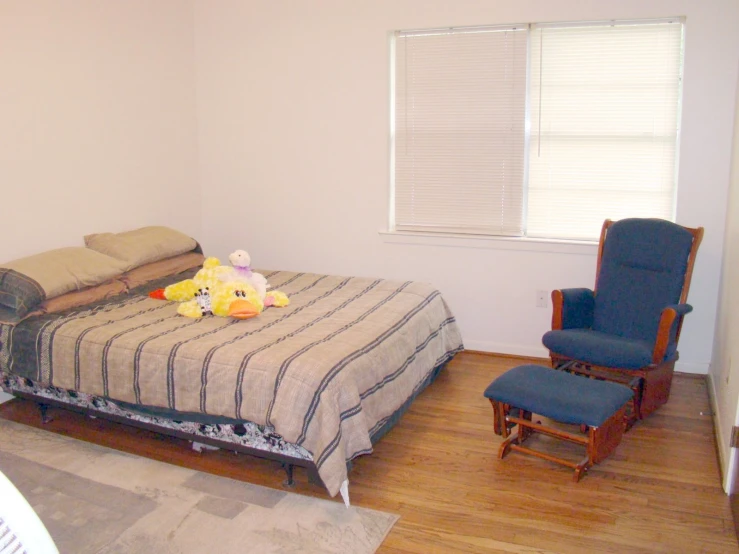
[289,157]
[724,374]
[97,120]
[293,153]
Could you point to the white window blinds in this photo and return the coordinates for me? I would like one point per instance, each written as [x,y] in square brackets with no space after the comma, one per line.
[604,125]
[460,98]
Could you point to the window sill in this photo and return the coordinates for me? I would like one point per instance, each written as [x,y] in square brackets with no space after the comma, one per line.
[522,244]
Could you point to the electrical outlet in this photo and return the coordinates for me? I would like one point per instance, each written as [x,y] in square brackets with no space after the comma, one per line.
[541,298]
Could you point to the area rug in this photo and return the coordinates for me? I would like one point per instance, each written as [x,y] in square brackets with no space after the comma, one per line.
[96,500]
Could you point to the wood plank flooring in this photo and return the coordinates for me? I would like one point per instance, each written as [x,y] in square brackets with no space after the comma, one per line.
[438,469]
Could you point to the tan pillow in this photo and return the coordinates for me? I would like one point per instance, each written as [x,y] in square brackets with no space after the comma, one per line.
[66,269]
[141,246]
[163,268]
[82,297]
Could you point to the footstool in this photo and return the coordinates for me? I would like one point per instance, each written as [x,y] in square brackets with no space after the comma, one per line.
[598,407]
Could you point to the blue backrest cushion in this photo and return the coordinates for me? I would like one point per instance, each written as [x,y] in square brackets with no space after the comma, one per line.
[642,271]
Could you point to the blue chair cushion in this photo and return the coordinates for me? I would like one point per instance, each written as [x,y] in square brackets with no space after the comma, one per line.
[642,271]
[558,395]
[598,348]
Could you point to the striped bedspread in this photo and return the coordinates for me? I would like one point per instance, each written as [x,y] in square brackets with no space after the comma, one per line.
[325,372]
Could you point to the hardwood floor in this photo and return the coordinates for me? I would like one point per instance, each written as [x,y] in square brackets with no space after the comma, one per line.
[438,469]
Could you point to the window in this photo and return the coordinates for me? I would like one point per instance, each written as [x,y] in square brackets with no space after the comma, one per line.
[535,130]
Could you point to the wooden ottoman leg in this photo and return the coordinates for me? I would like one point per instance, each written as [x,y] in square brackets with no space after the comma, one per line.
[505,447]
[500,411]
[603,440]
[525,430]
[503,425]
[581,468]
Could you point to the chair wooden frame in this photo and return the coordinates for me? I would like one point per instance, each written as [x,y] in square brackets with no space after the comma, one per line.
[599,442]
[651,384]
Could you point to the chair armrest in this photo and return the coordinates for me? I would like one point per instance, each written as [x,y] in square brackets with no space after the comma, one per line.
[681,309]
[572,308]
[668,331]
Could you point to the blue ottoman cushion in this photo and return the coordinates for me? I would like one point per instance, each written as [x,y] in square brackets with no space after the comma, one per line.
[559,395]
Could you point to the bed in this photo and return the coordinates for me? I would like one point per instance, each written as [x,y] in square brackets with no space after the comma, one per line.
[312,384]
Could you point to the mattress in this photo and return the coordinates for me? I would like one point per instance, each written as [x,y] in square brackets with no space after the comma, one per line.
[326,374]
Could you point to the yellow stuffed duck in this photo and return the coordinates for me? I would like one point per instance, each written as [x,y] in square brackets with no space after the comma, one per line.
[219,290]
[241,272]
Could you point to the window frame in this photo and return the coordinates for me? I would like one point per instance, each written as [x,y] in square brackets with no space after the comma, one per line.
[529,242]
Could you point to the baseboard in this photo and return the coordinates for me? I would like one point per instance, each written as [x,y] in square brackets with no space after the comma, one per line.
[717,431]
[508,349]
[700,368]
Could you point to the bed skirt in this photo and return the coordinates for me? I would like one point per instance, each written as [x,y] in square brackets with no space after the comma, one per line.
[229,434]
